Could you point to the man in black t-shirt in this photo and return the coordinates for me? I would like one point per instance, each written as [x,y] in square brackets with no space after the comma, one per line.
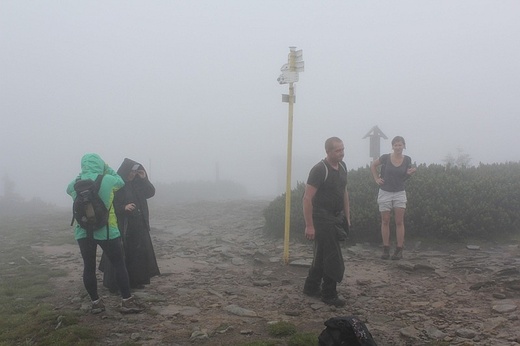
[326,211]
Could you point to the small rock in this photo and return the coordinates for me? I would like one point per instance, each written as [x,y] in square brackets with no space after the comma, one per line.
[198,335]
[479,285]
[258,261]
[493,323]
[239,311]
[425,267]
[222,266]
[466,333]
[237,261]
[405,266]
[261,283]
[363,282]
[434,333]
[410,332]
[301,263]
[223,328]
[508,272]
[504,308]
[292,313]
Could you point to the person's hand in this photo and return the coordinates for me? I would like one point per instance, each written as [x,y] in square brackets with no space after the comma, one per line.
[380,181]
[310,232]
[130,207]
[411,170]
[141,173]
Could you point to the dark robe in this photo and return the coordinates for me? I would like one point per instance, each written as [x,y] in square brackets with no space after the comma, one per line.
[134,226]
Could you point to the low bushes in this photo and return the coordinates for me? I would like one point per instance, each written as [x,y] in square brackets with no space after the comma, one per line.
[454,203]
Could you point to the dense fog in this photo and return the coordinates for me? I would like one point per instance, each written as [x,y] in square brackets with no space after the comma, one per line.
[189,88]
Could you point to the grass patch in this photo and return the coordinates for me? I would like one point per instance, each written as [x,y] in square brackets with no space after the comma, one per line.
[284,329]
[25,318]
[281,328]
[260,343]
[303,339]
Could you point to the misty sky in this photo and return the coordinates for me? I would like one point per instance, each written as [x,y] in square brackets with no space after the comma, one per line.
[184,86]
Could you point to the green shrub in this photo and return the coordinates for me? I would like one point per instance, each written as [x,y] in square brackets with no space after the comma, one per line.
[453,203]
[303,339]
[281,328]
[274,215]
[259,343]
[461,203]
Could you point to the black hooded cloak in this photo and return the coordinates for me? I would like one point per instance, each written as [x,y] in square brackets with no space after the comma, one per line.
[134,226]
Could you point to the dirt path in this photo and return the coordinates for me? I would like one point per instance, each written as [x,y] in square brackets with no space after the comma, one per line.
[223,281]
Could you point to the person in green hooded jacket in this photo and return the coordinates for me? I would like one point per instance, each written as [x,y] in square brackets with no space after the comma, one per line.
[107,237]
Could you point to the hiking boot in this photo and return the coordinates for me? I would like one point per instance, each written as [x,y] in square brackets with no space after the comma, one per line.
[386,253]
[336,301]
[97,306]
[398,254]
[310,293]
[131,306]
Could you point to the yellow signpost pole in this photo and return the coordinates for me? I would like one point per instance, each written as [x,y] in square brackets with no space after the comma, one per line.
[288,181]
[289,76]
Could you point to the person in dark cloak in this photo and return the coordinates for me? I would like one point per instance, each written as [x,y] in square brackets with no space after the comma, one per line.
[326,210]
[133,218]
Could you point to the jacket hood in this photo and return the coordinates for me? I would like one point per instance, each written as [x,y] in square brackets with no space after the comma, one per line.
[126,167]
[92,164]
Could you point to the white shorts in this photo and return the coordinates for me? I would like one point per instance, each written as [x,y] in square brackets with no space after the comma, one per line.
[390,200]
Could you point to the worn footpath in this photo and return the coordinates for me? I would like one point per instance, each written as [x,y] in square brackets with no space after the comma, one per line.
[223,282]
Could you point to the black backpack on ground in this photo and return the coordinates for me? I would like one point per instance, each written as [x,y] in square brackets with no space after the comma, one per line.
[345,331]
[88,208]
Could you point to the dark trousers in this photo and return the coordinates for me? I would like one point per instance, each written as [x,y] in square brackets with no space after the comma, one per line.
[316,278]
[327,266]
[113,250]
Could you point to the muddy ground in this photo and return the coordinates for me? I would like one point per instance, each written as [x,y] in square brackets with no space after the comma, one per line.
[223,281]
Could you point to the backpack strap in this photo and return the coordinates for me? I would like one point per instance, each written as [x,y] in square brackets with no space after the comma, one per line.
[99,179]
[326,170]
[72,221]
[384,160]
[108,230]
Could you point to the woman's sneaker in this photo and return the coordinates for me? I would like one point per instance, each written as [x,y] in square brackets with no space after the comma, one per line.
[131,306]
[97,306]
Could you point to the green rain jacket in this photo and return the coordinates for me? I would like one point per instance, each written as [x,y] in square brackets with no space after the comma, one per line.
[91,166]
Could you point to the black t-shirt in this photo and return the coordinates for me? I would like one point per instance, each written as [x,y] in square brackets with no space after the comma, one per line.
[330,184]
[393,176]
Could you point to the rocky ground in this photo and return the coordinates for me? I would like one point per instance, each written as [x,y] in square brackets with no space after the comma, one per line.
[222,282]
